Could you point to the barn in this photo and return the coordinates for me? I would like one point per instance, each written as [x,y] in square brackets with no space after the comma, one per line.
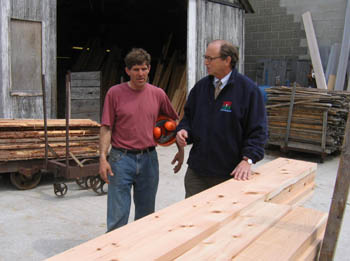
[41,41]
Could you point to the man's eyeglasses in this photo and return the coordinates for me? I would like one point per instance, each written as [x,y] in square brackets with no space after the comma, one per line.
[210,59]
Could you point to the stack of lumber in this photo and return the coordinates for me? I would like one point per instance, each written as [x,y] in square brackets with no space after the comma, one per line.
[258,219]
[170,73]
[171,76]
[318,117]
[24,139]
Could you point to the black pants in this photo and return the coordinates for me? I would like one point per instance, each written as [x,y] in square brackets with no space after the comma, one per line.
[195,183]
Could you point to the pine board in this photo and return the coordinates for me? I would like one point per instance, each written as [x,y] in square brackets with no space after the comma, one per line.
[288,239]
[229,240]
[174,230]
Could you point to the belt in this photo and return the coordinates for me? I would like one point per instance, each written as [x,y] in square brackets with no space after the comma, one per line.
[149,149]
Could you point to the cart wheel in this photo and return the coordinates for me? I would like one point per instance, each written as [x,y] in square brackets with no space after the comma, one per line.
[81,182]
[97,185]
[60,189]
[23,182]
[88,182]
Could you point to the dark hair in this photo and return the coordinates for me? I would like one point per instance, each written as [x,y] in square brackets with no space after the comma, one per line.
[227,49]
[137,56]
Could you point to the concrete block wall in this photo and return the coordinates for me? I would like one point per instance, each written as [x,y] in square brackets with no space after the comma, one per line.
[276,29]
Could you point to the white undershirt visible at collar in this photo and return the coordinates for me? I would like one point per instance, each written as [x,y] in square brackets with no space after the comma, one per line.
[223,80]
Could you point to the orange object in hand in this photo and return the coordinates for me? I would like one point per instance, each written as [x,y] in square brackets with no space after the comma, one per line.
[170,125]
[164,132]
[157,132]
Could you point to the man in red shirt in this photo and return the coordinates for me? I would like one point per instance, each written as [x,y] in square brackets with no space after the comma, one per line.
[129,115]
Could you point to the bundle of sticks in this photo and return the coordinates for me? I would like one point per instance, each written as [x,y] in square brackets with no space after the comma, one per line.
[24,139]
[316,116]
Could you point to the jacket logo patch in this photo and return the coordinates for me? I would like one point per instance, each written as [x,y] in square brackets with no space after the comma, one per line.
[226,106]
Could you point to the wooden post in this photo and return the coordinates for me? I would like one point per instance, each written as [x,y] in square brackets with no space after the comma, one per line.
[344,52]
[290,114]
[340,196]
[314,52]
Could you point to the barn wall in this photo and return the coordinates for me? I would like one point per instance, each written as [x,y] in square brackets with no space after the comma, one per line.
[4,60]
[23,105]
[217,21]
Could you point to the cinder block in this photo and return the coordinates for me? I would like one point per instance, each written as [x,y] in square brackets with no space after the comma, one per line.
[264,28]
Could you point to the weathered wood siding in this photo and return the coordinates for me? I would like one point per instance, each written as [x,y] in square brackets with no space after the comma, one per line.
[85,95]
[19,104]
[218,21]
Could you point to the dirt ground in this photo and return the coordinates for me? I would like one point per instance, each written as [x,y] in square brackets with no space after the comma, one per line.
[35,224]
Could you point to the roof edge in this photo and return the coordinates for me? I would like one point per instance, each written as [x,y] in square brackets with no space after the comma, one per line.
[247,6]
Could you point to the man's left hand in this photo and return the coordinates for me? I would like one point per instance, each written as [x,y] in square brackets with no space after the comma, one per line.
[179,158]
[242,171]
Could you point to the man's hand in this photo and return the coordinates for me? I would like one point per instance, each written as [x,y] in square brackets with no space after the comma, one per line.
[105,170]
[179,158]
[181,137]
[242,171]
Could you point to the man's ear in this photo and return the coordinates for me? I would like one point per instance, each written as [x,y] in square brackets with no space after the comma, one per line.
[228,60]
[127,71]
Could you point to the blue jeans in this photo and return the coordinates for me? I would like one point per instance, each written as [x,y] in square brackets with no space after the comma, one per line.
[140,171]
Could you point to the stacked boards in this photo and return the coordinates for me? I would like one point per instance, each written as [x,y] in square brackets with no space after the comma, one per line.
[317,118]
[235,220]
[24,139]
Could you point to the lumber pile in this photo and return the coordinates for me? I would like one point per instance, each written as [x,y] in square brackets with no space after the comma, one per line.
[170,73]
[171,76]
[235,220]
[318,118]
[24,139]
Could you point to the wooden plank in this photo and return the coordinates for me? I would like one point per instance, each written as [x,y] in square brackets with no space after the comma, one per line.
[231,239]
[80,106]
[344,52]
[291,194]
[288,239]
[176,229]
[34,123]
[52,133]
[314,52]
[313,251]
[81,93]
[333,61]
[85,75]
[84,83]
[331,82]
[340,196]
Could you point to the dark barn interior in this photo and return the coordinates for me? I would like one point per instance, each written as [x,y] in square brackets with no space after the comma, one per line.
[95,35]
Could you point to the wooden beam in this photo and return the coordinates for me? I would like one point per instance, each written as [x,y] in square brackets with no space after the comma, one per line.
[344,52]
[239,233]
[340,196]
[288,239]
[314,52]
[170,232]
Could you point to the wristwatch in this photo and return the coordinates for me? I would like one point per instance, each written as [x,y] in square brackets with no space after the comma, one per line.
[248,160]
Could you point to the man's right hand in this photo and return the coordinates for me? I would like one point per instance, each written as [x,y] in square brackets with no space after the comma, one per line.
[181,137]
[105,170]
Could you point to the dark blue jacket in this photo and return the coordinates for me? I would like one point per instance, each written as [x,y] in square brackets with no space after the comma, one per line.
[226,129]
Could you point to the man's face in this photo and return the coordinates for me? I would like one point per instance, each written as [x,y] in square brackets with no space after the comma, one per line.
[216,66]
[138,75]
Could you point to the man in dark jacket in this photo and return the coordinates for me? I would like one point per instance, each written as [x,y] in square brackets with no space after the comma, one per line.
[225,120]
